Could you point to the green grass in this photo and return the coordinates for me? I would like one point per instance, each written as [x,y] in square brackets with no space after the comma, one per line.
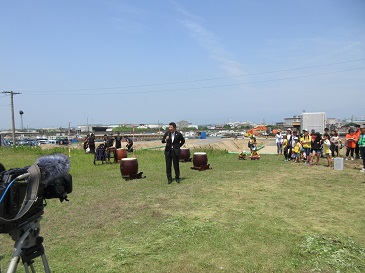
[239,216]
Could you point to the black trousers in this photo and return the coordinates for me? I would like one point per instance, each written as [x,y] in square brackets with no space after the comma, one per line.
[170,158]
[357,150]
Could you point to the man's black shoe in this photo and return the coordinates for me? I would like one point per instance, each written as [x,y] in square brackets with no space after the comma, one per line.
[169,180]
[177,179]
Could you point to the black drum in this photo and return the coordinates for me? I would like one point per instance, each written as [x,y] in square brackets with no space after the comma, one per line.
[200,159]
[121,153]
[128,166]
[184,154]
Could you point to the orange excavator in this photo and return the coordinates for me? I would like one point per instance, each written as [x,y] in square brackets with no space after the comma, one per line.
[258,130]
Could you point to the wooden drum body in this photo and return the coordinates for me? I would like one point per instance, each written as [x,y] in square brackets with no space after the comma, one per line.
[200,159]
[128,166]
[184,154]
[121,153]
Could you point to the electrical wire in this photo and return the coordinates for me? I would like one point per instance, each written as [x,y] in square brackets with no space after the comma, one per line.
[201,87]
[191,81]
[7,188]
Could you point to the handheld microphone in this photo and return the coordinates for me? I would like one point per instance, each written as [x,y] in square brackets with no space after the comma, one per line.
[53,166]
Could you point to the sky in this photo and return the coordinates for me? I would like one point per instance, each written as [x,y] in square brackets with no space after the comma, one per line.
[203,61]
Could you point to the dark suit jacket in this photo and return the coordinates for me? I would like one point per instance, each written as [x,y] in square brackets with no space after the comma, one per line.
[179,141]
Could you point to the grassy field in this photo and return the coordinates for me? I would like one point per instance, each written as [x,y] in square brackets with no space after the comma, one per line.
[239,216]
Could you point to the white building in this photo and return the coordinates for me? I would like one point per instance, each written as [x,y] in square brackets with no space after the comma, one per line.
[316,121]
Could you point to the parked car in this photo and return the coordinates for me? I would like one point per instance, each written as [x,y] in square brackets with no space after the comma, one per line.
[59,141]
[27,142]
[63,141]
[42,140]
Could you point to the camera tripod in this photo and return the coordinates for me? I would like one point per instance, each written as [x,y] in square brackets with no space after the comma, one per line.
[28,246]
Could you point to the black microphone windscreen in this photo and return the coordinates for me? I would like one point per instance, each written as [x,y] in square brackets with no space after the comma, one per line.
[2,168]
[53,166]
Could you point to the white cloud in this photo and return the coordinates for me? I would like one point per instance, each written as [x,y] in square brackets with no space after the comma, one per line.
[207,40]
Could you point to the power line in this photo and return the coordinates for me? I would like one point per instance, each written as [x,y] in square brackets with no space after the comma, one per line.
[207,87]
[192,81]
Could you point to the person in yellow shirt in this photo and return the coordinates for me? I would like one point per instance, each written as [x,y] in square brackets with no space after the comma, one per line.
[305,141]
[285,147]
[252,142]
[296,150]
[254,154]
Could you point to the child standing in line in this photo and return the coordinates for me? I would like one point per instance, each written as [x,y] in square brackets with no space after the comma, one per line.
[285,147]
[326,149]
[296,150]
[335,141]
[306,141]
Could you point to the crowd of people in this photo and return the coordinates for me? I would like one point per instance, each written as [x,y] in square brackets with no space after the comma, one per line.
[309,147]
[109,144]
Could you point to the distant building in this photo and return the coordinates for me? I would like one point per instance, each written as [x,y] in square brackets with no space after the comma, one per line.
[292,123]
[149,126]
[184,124]
[84,128]
[316,121]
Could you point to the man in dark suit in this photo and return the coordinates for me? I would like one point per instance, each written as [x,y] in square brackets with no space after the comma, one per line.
[174,140]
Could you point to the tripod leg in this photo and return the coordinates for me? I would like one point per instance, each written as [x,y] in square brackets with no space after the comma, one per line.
[45,264]
[27,269]
[13,264]
[32,268]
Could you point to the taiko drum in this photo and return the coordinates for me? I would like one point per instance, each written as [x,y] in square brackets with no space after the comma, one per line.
[128,166]
[121,153]
[184,154]
[200,159]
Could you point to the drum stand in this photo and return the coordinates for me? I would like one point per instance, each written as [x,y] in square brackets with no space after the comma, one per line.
[186,160]
[201,167]
[133,176]
[28,246]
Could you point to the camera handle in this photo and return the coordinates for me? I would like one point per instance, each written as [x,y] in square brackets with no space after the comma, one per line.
[28,247]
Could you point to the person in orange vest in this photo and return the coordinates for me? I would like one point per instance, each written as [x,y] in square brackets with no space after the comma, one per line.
[350,144]
[357,133]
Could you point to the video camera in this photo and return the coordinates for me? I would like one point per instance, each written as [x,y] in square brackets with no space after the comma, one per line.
[23,191]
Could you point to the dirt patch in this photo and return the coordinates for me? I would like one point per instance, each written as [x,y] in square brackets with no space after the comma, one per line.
[267,146]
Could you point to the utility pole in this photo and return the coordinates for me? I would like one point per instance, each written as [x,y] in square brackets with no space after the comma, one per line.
[12,111]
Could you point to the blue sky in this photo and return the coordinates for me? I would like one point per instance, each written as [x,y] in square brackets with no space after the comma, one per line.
[115,62]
